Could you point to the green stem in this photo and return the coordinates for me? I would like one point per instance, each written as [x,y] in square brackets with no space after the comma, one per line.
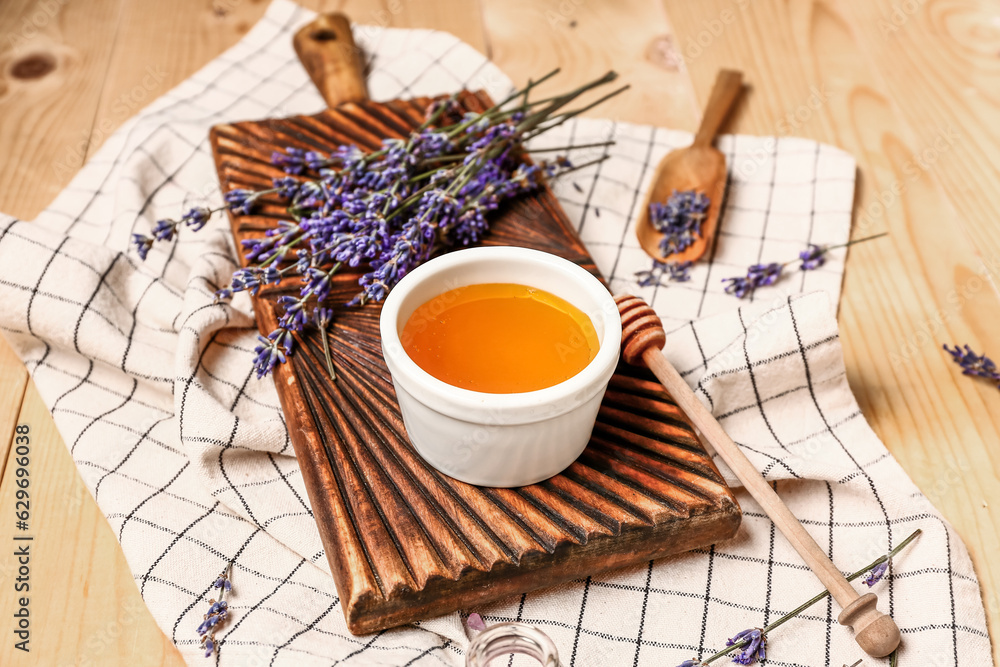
[577,167]
[598,144]
[326,353]
[540,116]
[855,241]
[827,249]
[801,608]
[571,114]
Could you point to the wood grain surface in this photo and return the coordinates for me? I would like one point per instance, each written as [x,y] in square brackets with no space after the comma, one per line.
[406,543]
[908,87]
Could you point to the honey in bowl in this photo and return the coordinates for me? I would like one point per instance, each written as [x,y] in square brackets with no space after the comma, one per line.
[500,338]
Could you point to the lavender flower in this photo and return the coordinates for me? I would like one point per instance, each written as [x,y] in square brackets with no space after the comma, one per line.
[197,217]
[753,642]
[164,230]
[974,364]
[692,663]
[240,201]
[877,573]
[812,257]
[142,244]
[217,613]
[272,351]
[673,271]
[291,161]
[679,219]
[323,317]
[476,622]
[757,276]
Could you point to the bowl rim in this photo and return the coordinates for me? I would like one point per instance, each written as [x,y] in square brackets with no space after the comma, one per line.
[520,407]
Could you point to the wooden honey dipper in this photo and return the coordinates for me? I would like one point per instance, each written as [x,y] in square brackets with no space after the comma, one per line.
[642,341]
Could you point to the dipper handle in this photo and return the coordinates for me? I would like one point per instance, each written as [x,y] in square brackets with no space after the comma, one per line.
[642,341]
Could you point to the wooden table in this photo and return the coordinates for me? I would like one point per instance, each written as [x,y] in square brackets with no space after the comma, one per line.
[910,88]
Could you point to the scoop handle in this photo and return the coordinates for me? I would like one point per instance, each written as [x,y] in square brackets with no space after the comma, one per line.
[728,84]
[329,55]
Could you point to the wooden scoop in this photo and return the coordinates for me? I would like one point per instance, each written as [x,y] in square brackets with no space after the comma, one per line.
[699,167]
[642,340]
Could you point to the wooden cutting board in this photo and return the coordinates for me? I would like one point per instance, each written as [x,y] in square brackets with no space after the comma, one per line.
[404,541]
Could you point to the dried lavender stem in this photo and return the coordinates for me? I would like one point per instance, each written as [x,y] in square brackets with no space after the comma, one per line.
[538,128]
[326,353]
[598,144]
[827,249]
[801,608]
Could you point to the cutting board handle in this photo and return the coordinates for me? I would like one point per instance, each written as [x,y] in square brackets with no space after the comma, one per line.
[327,50]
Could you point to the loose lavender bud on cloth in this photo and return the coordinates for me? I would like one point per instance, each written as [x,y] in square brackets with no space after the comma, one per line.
[679,219]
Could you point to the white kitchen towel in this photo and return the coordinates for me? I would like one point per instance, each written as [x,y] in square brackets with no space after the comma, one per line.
[188,455]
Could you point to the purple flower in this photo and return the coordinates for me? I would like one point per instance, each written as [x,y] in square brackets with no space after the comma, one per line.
[877,573]
[272,351]
[164,230]
[322,317]
[287,187]
[973,364]
[292,161]
[679,219]
[196,218]
[812,257]
[764,274]
[673,271]
[476,622]
[753,642]
[224,294]
[757,276]
[249,279]
[241,201]
[691,663]
[142,245]
[217,613]
[295,315]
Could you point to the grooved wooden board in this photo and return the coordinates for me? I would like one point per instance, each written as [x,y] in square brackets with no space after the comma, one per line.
[406,542]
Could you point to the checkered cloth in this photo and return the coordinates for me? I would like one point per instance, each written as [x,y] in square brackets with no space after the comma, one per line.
[189,457]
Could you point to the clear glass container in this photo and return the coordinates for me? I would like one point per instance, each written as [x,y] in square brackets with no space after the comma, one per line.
[505,638]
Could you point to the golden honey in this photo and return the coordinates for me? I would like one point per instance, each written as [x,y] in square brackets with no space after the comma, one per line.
[500,338]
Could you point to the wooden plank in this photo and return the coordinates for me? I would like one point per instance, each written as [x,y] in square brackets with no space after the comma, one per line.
[54,60]
[938,61]
[903,296]
[13,381]
[528,38]
[84,605]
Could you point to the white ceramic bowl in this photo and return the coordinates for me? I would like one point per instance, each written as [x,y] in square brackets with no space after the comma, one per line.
[500,439]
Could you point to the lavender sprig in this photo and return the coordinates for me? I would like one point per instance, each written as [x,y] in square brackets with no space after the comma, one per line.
[387,211]
[745,641]
[759,275]
[974,364]
[217,613]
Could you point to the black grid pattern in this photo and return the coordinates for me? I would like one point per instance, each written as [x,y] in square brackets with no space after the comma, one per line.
[190,460]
